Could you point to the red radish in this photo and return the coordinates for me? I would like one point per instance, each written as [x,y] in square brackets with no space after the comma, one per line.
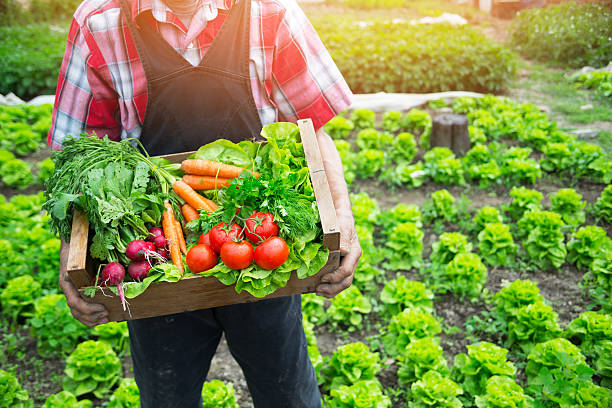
[155,232]
[163,252]
[160,241]
[137,249]
[112,275]
[138,270]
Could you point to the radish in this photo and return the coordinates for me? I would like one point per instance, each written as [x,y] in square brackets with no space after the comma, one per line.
[155,232]
[112,275]
[137,249]
[163,252]
[138,270]
[160,241]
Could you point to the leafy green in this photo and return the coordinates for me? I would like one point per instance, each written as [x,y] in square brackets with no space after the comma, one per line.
[313,351]
[126,395]
[448,245]
[419,357]
[523,200]
[482,361]
[391,121]
[369,162]
[350,363]
[442,166]
[589,330]
[496,244]
[441,207]
[338,127]
[365,209]
[362,394]
[313,308]
[53,327]
[516,295]
[503,392]
[568,203]
[92,367]
[404,247]
[16,173]
[557,372]
[543,238]
[224,151]
[401,293]
[487,215]
[66,399]
[434,390]
[348,307]
[399,214]
[603,206]
[587,244]
[533,324]
[363,119]
[11,393]
[18,297]
[598,280]
[217,394]
[373,139]
[114,334]
[465,275]
[407,326]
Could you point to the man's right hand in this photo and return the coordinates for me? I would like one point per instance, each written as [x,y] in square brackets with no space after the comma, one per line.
[90,314]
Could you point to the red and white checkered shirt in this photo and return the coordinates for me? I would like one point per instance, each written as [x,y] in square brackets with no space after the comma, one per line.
[102,85]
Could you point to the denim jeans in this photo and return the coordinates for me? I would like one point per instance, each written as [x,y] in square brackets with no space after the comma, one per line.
[172,354]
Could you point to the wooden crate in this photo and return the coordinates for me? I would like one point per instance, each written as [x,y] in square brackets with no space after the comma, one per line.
[201,292]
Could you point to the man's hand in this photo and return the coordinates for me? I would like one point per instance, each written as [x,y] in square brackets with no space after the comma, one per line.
[90,314]
[335,282]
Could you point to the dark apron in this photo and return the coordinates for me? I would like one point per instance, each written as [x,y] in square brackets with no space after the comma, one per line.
[189,106]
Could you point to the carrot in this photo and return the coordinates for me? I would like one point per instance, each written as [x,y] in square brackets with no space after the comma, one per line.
[212,168]
[171,234]
[211,204]
[205,182]
[189,213]
[181,237]
[187,193]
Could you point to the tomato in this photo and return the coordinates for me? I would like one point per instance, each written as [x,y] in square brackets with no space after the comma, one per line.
[259,227]
[237,255]
[272,253]
[204,239]
[201,258]
[221,233]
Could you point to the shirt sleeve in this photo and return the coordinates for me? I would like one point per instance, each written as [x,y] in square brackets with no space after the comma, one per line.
[84,101]
[306,83]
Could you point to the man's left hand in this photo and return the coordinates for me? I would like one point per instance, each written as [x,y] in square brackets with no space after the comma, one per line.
[350,250]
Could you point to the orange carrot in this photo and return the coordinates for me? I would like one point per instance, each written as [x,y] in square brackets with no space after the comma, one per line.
[187,193]
[211,204]
[171,234]
[212,168]
[205,182]
[180,236]
[189,213]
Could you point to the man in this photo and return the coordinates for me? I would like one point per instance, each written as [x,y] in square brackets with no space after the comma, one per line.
[178,75]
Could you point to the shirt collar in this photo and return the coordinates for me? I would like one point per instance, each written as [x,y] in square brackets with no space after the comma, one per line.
[207,9]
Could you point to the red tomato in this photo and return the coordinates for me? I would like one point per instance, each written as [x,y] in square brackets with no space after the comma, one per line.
[259,227]
[204,239]
[272,253]
[237,255]
[221,233]
[201,258]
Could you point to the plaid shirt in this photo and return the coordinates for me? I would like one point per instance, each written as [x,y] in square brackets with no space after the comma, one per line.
[102,85]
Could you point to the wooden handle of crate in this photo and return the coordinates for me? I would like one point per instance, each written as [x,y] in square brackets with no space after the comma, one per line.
[78,267]
[320,185]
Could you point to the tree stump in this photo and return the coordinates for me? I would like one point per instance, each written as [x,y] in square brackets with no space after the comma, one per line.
[450,130]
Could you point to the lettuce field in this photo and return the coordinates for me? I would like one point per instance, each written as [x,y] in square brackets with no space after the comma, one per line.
[485,278]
